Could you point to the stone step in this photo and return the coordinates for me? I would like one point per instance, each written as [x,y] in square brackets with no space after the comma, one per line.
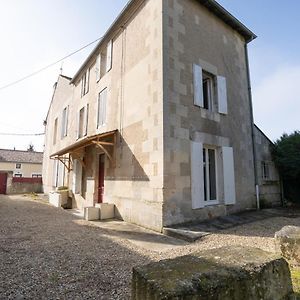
[186,235]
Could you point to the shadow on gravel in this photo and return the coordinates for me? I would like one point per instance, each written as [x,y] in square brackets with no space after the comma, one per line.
[45,255]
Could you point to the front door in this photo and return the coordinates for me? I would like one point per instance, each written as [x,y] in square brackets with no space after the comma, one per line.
[101,178]
[3,180]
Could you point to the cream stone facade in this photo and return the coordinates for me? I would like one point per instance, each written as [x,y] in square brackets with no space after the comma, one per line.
[21,163]
[158,120]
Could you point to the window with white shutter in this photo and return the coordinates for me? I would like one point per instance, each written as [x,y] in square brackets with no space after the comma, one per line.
[210,91]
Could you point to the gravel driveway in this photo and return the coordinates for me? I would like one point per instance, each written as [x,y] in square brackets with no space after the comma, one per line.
[44,254]
[47,253]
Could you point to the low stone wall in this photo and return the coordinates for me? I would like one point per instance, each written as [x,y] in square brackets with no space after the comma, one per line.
[24,185]
[227,273]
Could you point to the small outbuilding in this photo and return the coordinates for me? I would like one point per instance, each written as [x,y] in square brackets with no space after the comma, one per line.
[20,171]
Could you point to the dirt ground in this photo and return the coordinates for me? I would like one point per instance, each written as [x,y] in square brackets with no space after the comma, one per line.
[47,253]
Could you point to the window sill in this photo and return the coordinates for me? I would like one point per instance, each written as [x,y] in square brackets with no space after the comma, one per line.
[210,115]
[211,203]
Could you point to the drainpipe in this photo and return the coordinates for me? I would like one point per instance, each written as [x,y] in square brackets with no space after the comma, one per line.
[252,128]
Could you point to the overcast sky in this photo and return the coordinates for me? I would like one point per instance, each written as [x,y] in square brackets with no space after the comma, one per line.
[36,33]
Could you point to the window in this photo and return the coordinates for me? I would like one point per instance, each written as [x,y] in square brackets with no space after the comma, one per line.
[205,177]
[104,61]
[64,123]
[80,132]
[18,166]
[55,131]
[109,56]
[265,170]
[209,174]
[18,175]
[85,81]
[210,91]
[102,98]
[36,175]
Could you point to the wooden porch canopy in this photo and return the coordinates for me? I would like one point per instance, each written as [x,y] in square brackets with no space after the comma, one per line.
[104,141]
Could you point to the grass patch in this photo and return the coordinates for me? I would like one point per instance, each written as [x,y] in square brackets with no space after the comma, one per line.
[295,273]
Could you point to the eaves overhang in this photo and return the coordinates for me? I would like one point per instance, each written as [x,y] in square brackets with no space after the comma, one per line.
[229,19]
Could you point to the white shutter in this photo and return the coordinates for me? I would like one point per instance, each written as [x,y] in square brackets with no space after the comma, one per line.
[198,85]
[104,100]
[67,120]
[229,179]
[86,118]
[55,172]
[82,85]
[102,108]
[222,95]
[61,174]
[78,125]
[197,178]
[98,68]
[87,81]
[109,56]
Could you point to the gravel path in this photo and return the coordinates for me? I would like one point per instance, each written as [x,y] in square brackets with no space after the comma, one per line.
[46,253]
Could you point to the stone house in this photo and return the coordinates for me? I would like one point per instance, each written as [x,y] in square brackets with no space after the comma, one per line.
[20,171]
[158,119]
[269,183]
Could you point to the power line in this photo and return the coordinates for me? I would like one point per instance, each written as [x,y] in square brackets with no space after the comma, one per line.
[48,66]
[22,134]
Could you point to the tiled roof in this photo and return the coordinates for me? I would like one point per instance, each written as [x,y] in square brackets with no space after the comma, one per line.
[21,156]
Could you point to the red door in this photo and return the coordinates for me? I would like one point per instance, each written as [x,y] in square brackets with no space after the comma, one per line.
[3,180]
[101,179]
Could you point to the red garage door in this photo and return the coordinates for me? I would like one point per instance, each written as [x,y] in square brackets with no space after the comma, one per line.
[3,180]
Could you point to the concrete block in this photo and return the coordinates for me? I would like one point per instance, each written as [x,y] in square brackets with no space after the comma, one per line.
[106,211]
[226,273]
[91,213]
[55,199]
[59,198]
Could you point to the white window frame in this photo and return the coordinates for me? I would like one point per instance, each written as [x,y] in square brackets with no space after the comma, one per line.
[18,168]
[265,170]
[213,201]
[216,92]
[55,128]
[19,175]
[36,175]
[210,79]
[102,109]
[109,56]
[81,134]
[85,82]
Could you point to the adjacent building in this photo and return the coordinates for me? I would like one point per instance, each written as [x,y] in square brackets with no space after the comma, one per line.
[158,120]
[20,171]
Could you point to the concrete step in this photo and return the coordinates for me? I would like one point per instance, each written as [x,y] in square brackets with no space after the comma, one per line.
[185,234]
